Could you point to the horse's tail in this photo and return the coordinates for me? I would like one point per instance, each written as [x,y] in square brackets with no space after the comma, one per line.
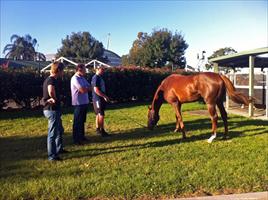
[235,96]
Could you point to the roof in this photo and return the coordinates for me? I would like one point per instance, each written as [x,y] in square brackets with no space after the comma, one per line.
[241,59]
[61,59]
[106,51]
[94,62]
[113,58]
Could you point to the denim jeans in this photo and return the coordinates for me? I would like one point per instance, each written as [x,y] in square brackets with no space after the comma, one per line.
[55,132]
[80,115]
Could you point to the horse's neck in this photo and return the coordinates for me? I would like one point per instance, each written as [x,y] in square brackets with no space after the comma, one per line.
[158,100]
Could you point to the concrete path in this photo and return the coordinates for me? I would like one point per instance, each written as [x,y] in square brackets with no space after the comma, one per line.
[244,196]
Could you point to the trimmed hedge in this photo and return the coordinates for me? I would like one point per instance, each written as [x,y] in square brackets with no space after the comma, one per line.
[123,85]
[23,87]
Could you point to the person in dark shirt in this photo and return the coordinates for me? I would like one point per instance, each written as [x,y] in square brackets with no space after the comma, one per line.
[99,100]
[52,111]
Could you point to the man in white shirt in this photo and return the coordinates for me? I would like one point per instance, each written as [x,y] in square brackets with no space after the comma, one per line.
[79,88]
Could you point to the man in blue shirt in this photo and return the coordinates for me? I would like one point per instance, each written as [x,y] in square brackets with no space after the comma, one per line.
[99,100]
[79,88]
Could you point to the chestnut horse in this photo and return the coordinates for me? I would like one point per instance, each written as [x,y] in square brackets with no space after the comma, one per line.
[178,89]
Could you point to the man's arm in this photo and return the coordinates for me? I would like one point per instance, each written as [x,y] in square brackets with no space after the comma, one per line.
[84,89]
[52,94]
[100,93]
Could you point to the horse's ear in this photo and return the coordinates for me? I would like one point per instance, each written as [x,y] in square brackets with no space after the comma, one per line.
[149,107]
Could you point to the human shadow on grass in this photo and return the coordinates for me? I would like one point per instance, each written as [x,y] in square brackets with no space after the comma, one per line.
[203,125]
[122,148]
[16,149]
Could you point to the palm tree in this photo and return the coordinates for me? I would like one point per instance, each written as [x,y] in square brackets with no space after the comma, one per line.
[23,48]
[40,57]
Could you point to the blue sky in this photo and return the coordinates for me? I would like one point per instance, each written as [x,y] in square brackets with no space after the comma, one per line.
[206,25]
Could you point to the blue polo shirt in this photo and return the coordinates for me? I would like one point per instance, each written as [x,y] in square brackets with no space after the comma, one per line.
[97,81]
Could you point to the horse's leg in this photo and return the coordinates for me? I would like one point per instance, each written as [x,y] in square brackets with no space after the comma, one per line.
[214,119]
[224,118]
[178,128]
[179,124]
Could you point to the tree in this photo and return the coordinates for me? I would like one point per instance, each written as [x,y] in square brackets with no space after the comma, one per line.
[158,49]
[125,60]
[177,49]
[220,52]
[22,48]
[81,46]
[40,56]
[136,52]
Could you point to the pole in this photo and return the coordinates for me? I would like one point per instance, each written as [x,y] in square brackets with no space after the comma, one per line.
[38,58]
[39,63]
[251,85]
[108,42]
[216,67]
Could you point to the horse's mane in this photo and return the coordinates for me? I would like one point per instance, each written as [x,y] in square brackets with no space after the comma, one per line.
[158,98]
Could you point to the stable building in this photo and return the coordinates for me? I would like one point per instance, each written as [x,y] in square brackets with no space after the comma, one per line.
[246,59]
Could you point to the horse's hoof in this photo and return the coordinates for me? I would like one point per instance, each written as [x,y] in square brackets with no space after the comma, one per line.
[211,138]
[209,141]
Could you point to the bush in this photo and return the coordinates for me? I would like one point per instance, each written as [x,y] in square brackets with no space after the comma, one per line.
[123,85]
[23,87]
[126,84]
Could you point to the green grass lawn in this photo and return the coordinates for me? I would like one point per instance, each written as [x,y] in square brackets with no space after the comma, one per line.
[135,162]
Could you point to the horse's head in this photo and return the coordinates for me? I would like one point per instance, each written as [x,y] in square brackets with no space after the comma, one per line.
[153,118]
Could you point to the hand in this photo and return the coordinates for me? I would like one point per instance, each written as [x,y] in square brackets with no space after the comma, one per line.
[51,101]
[107,99]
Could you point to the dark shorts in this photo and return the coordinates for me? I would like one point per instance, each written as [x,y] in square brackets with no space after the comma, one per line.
[99,107]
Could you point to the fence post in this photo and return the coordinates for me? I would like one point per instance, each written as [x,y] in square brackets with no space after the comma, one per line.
[216,67]
[251,85]
[227,102]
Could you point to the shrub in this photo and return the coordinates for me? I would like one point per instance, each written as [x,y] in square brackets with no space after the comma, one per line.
[123,85]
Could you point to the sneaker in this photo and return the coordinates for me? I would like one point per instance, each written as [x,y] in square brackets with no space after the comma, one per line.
[56,159]
[63,151]
[98,131]
[85,139]
[104,133]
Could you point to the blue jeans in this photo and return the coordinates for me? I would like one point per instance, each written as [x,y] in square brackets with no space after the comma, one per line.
[55,132]
[80,115]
